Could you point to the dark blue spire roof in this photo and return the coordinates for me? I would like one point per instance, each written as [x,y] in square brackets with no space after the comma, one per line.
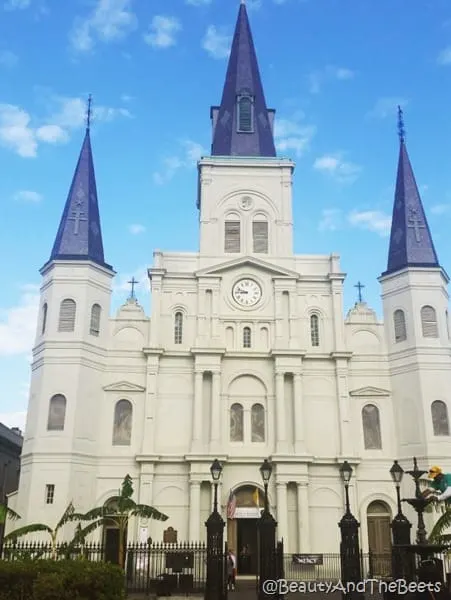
[79,235]
[243,80]
[411,242]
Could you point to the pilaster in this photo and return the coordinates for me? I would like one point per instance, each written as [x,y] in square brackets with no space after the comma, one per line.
[215,442]
[299,416]
[156,279]
[197,411]
[303,517]
[148,439]
[281,440]
[346,437]
[282,512]
[146,480]
[194,511]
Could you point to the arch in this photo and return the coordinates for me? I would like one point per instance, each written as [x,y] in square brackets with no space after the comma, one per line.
[371,427]
[429,322]
[245,114]
[68,309]
[247,337]
[57,413]
[258,422]
[378,518]
[314,330]
[178,327]
[247,384]
[232,233]
[236,422]
[122,425]
[264,337]
[44,317]
[230,337]
[440,421]
[377,496]
[260,234]
[399,322]
[94,327]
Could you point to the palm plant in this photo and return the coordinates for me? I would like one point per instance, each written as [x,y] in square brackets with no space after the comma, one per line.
[438,535]
[117,512]
[68,515]
[7,513]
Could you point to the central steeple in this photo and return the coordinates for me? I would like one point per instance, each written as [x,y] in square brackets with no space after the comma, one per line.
[242,124]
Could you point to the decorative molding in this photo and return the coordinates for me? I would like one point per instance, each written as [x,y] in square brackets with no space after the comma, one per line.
[248,262]
[369,391]
[124,386]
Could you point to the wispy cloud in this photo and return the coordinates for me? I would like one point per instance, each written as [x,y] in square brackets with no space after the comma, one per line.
[444,58]
[387,106]
[198,2]
[371,220]
[122,283]
[217,42]
[162,32]
[136,229]
[18,323]
[8,59]
[330,73]
[16,4]
[293,135]
[331,219]
[190,154]
[336,167]
[109,21]
[27,196]
[14,419]
[440,209]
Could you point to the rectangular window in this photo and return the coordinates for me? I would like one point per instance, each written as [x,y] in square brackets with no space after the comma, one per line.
[232,236]
[49,493]
[260,236]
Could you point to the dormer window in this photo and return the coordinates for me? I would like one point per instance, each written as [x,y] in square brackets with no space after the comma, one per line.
[245,114]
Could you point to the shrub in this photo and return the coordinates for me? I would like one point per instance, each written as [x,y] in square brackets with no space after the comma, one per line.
[60,580]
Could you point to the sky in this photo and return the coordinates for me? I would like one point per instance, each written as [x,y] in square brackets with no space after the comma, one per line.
[334,70]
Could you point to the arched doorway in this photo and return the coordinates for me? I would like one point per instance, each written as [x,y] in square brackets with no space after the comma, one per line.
[110,535]
[379,537]
[242,528]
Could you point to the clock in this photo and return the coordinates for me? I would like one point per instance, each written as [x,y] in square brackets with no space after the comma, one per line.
[246,292]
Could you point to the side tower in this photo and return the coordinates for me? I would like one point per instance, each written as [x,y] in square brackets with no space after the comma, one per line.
[415,304]
[69,356]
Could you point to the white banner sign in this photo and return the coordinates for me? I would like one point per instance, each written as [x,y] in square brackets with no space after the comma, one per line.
[247,512]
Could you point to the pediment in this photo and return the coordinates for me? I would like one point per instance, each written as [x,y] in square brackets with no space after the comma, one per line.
[247,261]
[369,391]
[124,386]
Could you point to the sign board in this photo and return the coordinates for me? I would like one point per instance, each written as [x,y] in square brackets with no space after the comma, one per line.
[143,535]
[307,560]
[247,512]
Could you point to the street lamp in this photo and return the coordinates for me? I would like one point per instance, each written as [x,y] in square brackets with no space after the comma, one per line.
[266,472]
[216,470]
[215,585]
[400,526]
[267,530]
[349,546]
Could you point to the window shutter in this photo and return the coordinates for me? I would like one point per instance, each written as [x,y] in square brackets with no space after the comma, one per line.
[232,236]
[245,115]
[400,326]
[67,315]
[95,320]
[429,322]
[260,236]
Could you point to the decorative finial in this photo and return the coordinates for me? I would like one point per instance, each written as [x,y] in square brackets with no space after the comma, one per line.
[401,128]
[359,286]
[89,113]
[133,282]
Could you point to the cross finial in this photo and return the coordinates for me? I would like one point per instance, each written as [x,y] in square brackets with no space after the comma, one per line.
[401,128]
[89,113]
[359,286]
[133,282]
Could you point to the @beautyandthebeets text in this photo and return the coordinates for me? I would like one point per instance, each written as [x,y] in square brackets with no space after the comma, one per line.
[278,587]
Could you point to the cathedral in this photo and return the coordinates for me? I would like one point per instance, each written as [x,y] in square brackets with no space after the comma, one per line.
[247,355]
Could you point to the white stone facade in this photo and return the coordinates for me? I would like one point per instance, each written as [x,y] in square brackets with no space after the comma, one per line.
[311,369]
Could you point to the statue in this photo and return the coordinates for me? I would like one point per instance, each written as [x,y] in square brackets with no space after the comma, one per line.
[440,487]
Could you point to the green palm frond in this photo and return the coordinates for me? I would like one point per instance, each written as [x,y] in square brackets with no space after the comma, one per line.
[68,515]
[7,513]
[33,528]
[443,523]
[95,513]
[148,512]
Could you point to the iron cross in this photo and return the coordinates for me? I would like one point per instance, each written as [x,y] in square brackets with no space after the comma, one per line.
[416,223]
[133,282]
[359,286]
[77,216]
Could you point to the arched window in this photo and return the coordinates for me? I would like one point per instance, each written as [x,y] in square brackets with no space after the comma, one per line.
[245,110]
[232,234]
[429,322]
[258,423]
[178,327]
[260,234]
[44,318]
[122,427]
[94,328]
[314,330]
[57,413]
[67,315]
[399,320]
[371,427]
[440,423]
[247,338]
[236,423]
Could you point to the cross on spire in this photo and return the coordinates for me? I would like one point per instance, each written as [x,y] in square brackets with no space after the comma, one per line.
[401,128]
[89,113]
[133,282]
[359,286]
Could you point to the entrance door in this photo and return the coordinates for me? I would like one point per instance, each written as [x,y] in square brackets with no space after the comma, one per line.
[379,538]
[112,545]
[247,549]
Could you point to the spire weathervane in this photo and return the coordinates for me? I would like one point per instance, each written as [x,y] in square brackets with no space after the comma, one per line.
[401,128]
[89,113]
[359,286]
[133,282]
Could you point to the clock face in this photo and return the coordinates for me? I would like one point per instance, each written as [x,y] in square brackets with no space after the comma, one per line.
[246,292]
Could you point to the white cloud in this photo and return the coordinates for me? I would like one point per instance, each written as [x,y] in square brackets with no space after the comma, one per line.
[330,219]
[216,42]
[8,58]
[126,98]
[387,107]
[162,32]
[334,165]
[440,209]
[198,2]
[293,135]
[192,152]
[18,323]
[16,4]
[14,419]
[136,229]
[444,58]
[52,134]
[109,21]
[330,73]
[16,132]
[372,220]
[122,283]
[27,196]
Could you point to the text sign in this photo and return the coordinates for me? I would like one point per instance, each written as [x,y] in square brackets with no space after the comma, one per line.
[247,512]
[307,559]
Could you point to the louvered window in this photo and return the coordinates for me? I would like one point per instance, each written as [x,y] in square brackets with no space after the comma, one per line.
[314,330]
[94,328]
[245,114]
[399,320]
[247,339]
[260,236]
[232,236]
[429,322]
[67,315]
[178,328]
[44,318]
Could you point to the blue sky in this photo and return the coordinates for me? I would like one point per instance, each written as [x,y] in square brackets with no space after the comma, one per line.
[335,71]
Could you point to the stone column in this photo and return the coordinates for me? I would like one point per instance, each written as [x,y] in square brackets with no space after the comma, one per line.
[197,411]
[279,318]
[282,514]
[281,445]
[215,314]
[337,307]
[215,412]
[303,518]
[201,319]
[156,283]
[299,415]
[145,497]
[343,408]
[148,431]
[194,511]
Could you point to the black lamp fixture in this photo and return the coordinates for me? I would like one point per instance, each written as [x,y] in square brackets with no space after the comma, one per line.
[346,472]
[397,473]
[266,471]
[216,470]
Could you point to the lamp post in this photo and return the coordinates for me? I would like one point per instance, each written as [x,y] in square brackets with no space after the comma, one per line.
[267,530]
[400,526]
[349,546]
[214,589]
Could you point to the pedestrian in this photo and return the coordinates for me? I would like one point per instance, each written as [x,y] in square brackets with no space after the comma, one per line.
[231,570]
